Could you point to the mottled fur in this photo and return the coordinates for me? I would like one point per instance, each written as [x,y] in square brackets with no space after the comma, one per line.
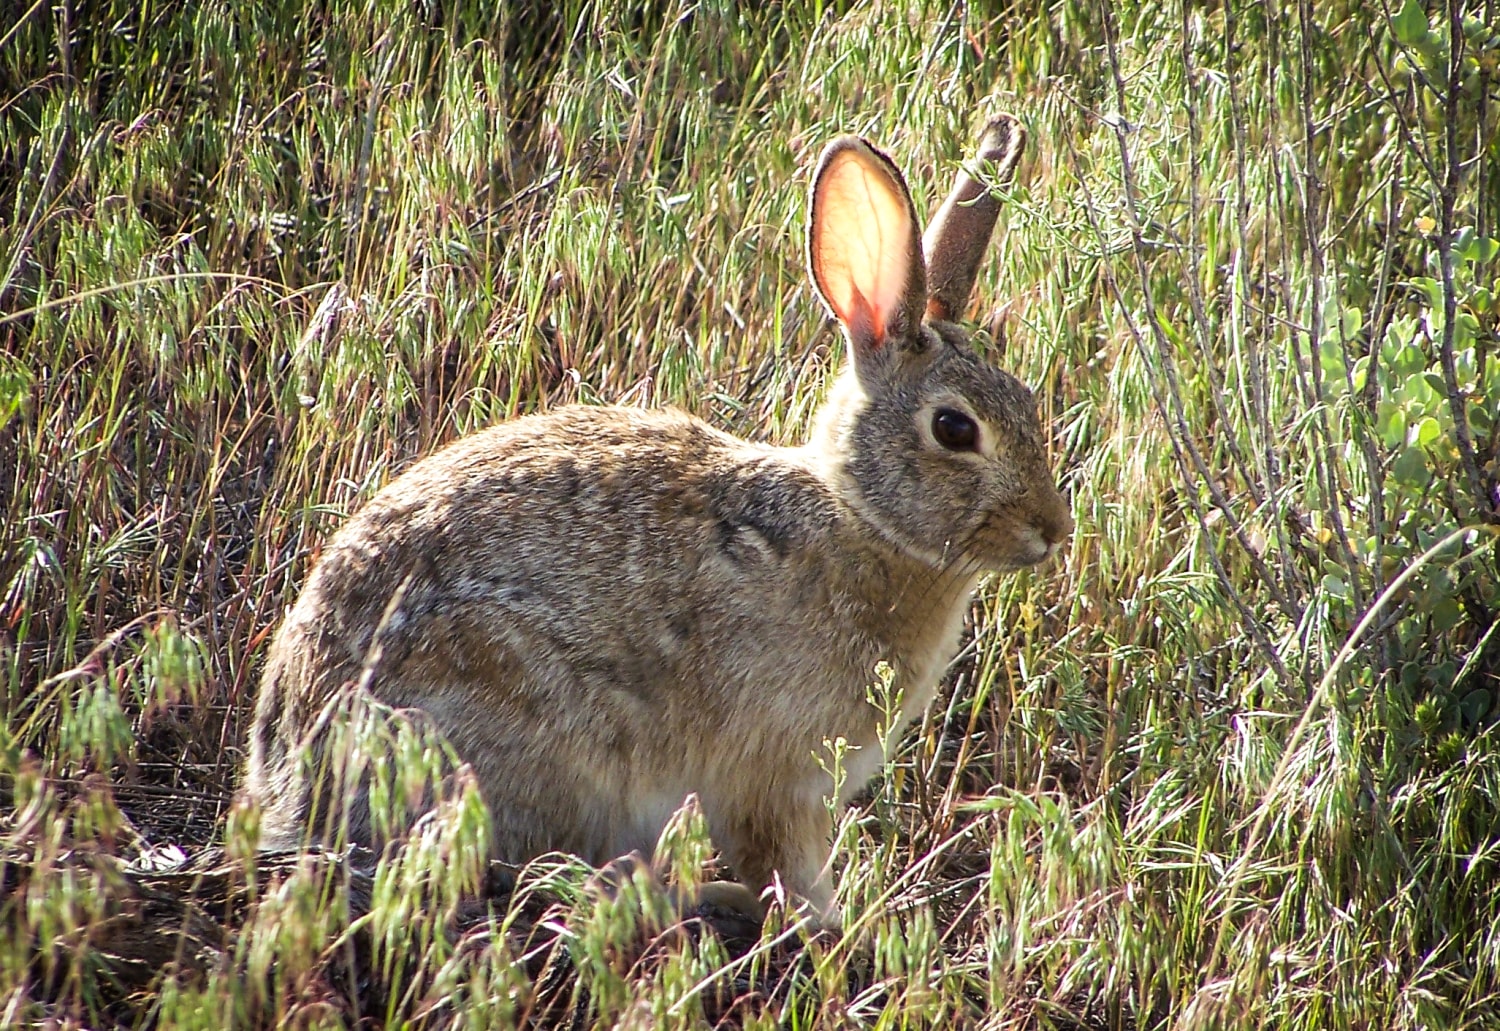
[605,609]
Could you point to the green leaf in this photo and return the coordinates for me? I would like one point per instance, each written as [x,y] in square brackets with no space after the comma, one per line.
[1431,289]
[1411,469]
[1411,676]
[1465,244]
[1475,705]
[1335,586]
[1410,23]
[1480,416]
[1398,335]
[1353,319]
[1465,329]
[1419,394]
[1390,423]
[1331,353]
[1428,431]
[1441,674]
[1476,31]
[1360,374]
[1471,247]
[1408,359]
[1463,362]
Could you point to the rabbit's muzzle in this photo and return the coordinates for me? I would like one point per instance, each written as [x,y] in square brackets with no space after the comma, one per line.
[1024,533]
[1053,524]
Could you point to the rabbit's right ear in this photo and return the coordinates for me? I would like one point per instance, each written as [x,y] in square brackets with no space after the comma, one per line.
[864,252]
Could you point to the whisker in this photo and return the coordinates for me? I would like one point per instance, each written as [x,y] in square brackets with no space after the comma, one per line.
[955,564]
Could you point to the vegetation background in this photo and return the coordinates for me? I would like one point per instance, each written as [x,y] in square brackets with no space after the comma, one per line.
[1232,763]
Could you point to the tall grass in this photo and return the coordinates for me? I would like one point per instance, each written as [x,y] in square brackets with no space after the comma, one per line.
[1232,763]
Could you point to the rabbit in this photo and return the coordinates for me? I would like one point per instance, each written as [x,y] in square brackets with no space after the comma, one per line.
[607,609]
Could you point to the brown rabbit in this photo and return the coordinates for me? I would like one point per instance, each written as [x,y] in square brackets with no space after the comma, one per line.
[605,609]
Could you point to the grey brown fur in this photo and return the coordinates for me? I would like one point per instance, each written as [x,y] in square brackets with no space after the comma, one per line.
[605,609]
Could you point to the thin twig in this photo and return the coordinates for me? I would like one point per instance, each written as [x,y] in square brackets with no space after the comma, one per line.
[1448,198]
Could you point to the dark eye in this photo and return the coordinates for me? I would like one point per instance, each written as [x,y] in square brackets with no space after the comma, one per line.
[955,430]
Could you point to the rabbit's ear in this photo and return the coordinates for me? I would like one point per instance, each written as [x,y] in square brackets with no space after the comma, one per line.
[956,238]
[862,249]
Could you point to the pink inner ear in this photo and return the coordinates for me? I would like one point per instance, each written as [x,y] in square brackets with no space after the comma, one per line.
[863,242]
[863,319]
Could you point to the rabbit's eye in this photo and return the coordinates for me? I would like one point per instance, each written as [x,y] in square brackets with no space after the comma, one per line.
[955,430]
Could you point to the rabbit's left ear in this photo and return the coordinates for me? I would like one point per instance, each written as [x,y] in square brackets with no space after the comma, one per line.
[959,233]
[864,251]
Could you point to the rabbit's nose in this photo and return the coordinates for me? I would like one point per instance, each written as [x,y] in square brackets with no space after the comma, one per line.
[1056,523]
